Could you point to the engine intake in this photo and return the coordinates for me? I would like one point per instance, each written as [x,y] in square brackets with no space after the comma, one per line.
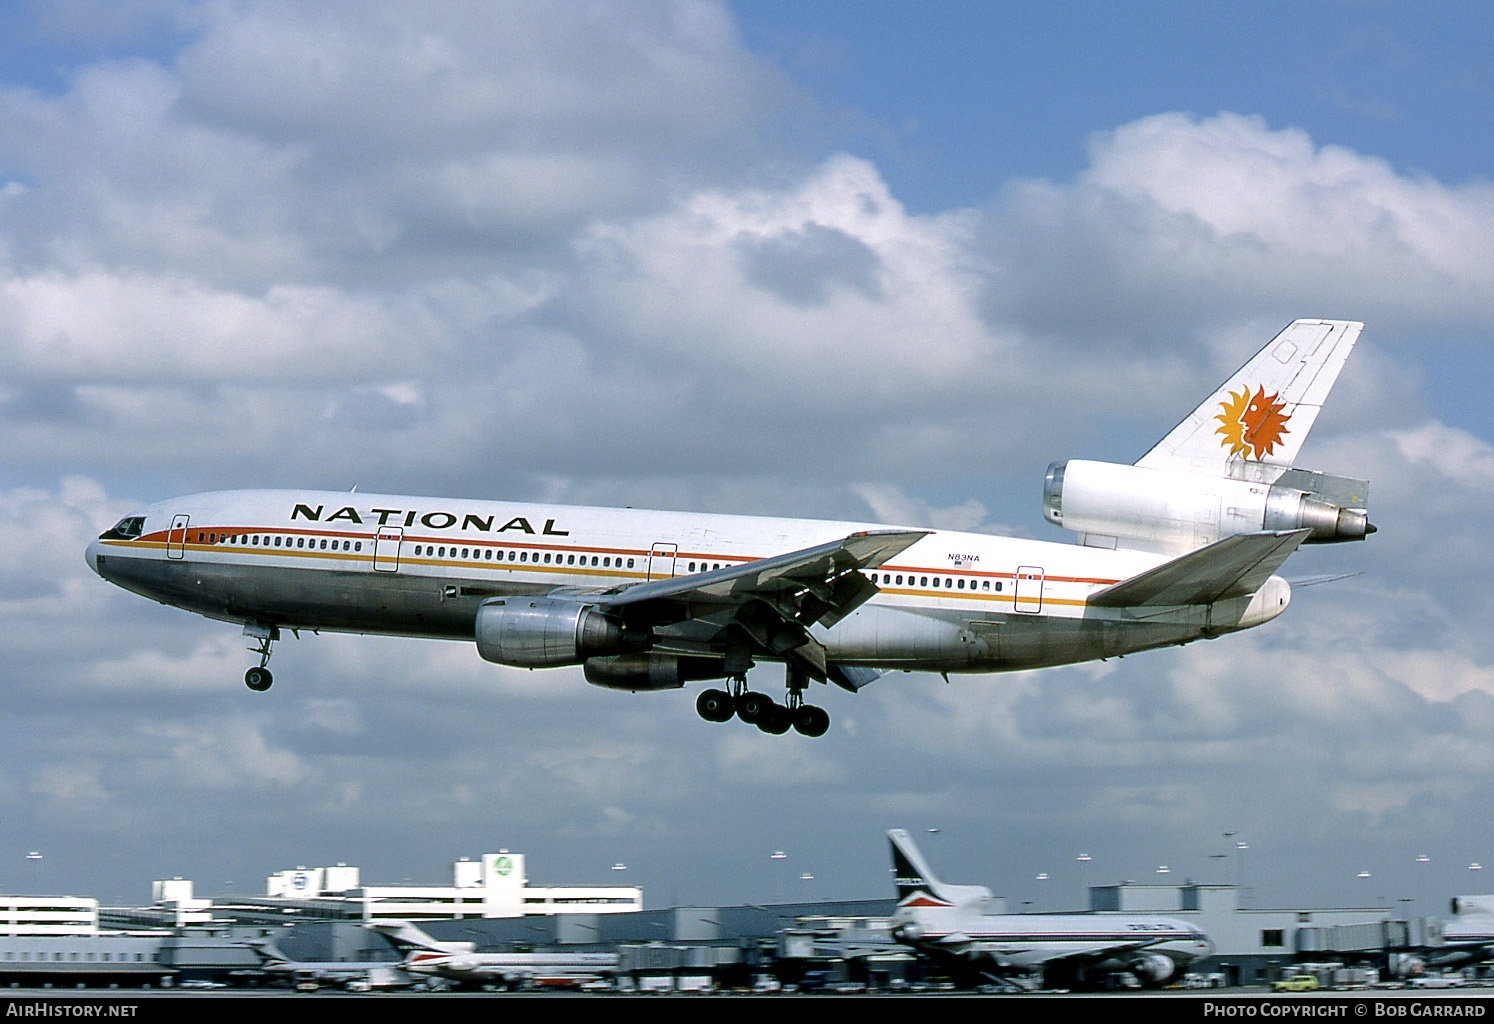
[541,632]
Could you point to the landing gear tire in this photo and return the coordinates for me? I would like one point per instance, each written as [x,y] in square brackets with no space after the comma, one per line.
[258,679]
[752,706]
[715,705]
[810,720]
[776,720]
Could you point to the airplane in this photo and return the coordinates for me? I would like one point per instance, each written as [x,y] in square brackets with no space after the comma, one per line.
[1180,546]
[458,963]
[1468,935]
[952,925]
[354,975]
[1465,938]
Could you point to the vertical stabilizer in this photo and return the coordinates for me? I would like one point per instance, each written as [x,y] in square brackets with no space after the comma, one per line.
[914,878]
[406,938]
[1264,411]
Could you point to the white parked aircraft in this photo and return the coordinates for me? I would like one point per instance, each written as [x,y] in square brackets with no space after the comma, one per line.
[952,924]
[1181,546]
[359,975]
[458,963]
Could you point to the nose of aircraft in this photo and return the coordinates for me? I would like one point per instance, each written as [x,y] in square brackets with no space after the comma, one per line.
[91,556]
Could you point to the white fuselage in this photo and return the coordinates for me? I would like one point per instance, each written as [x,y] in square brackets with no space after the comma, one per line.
[420,566]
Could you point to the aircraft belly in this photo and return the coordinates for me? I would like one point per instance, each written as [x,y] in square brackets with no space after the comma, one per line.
[950,641]
[313,599]
[884,635]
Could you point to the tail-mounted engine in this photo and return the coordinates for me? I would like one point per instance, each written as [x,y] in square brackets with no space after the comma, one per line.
[542,632]
[1167,510]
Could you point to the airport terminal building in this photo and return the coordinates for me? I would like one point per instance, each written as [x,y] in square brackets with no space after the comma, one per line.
[322,914]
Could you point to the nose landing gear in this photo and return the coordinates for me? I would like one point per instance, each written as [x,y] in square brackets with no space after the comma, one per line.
[260,678]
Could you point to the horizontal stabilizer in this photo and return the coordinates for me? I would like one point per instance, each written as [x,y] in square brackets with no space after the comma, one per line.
[1297,582]
[1237,566]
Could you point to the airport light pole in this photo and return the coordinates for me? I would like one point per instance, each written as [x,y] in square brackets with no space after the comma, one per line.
[1423,891]
[35,859]
[778,856]
[1042,876]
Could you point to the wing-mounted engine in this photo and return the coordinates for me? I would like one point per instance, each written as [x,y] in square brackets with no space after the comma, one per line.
[545,632]
[1153,968]
[1174,510]
[650,671]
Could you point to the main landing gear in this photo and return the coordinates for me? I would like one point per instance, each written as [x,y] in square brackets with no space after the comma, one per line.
[762,711]
[259,678]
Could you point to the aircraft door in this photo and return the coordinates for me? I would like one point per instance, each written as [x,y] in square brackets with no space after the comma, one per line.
[386,549]
[661,561]
[1027,594]
[176,537]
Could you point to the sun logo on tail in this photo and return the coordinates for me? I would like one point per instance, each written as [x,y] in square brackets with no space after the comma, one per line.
[1252,425]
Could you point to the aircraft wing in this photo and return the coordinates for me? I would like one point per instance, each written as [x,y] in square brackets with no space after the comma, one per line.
[830,572]
[774,600]
[1236,566]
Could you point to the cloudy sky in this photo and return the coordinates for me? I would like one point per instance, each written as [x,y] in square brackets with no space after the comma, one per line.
[869,261]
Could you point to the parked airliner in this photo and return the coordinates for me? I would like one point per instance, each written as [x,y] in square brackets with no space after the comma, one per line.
[953,924]
[459,964]
[1180,546]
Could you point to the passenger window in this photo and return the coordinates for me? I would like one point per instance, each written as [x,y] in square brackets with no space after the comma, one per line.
[357,545]
[985,584]
[923,581]
[998,586]
[523,556]
[630,563]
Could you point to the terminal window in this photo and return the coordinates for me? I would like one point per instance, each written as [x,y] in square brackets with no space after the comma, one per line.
[1273,937]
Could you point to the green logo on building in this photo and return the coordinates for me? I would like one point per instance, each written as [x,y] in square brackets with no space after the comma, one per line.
[503,865]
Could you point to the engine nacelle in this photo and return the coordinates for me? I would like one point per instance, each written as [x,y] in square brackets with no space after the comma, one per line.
[1171,510]
[634,672]
[908,932]
[1152,968]
[542,632]
[1406,965]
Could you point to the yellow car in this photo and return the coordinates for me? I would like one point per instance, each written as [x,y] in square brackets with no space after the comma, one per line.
[1296,983]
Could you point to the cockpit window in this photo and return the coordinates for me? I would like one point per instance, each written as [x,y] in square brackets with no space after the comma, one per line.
[126,529]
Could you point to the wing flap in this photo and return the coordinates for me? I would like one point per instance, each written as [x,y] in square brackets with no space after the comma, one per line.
[1234,567]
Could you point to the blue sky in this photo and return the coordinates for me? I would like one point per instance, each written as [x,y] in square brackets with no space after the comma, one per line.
[859,261]
[954,98]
